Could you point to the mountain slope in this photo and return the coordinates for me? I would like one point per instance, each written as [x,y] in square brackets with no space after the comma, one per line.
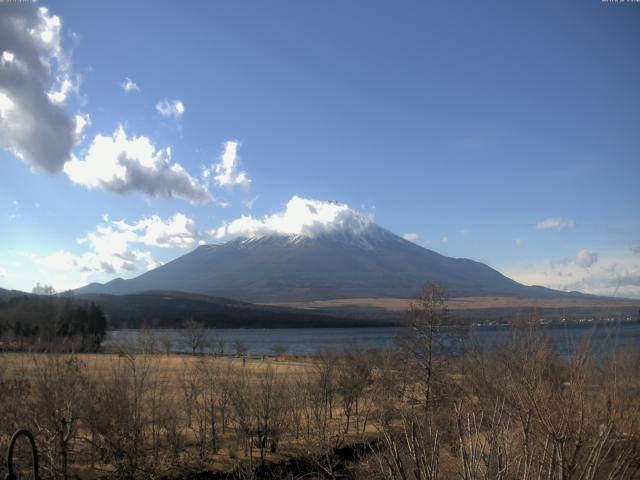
[6,295]
[341,264]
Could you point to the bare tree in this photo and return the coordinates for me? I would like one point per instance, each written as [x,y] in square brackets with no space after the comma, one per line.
[194,336]
[218,343]
[269,410]
[240,401]
[166,342]
[425,316]
[190,388]
[353,377]
[279,350]
[55,405]
[43,289]
[240,347]
[147,341]
[116,417]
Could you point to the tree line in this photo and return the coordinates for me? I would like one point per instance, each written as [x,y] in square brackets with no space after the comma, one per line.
[44,322]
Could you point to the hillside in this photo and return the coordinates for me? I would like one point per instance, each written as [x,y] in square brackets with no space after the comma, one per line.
[166,309]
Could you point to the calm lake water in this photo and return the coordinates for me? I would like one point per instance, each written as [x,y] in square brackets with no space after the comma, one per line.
[311,341]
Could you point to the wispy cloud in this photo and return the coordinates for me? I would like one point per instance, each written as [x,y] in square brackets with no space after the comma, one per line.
[15,214]
[412,237]
[555,223]
[583,259]
[227,173]
[81,124]
[604,273]
[129,85]
[248,203]
[170,108]
[586,258]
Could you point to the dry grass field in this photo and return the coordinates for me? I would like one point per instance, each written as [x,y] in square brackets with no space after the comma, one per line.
[172,365]
[516,410]
[190,412]
[463,303]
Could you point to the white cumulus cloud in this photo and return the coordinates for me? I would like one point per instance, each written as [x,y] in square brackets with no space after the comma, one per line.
[178,231]
[226,173]
[129,85]
[118,246]
[121,164]
[170,108]
[555,223]
[301,216]
[35,81]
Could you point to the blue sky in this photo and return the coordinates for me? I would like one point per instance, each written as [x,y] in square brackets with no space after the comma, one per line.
[506,132]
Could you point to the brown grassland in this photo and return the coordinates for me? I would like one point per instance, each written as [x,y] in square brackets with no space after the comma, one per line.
[418,411]
[465,303]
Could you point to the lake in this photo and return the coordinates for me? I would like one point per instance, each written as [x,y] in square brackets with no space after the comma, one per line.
[310,341]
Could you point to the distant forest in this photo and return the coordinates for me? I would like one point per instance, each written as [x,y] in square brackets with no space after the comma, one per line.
[41,322]
[173,309]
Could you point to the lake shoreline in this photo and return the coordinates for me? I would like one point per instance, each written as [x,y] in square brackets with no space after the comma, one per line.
[312,341]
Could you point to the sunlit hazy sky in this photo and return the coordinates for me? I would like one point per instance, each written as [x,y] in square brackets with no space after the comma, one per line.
[505,132]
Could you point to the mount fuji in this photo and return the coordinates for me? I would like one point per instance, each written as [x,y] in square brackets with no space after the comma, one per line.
[337,263]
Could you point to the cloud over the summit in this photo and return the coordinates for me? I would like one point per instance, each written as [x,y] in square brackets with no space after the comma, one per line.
[35,80]
[301,216]
[121,164]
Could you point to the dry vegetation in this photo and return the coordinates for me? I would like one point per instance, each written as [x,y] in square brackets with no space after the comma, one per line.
[514,412]
[148,414]
[465,303]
